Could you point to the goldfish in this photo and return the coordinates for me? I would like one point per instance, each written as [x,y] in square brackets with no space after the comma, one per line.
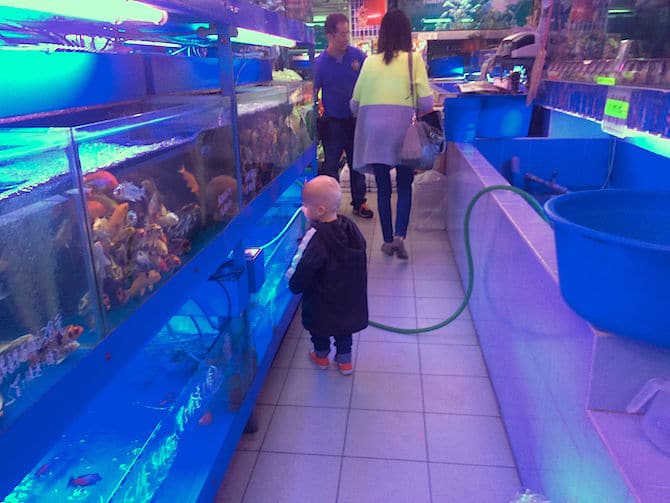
[45,470]
[142,258]
[142,283]
[118,217]
[128,191]
[167,219]
[102,180]
[190,181]
[95,210]
[206,419]
[88,479]
[109,203]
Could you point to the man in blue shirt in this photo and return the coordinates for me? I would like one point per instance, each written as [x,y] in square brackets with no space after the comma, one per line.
[335,73]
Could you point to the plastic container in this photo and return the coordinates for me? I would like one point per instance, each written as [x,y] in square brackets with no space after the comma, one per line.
[656,420]
[460,118]
[613,250]
[503,116]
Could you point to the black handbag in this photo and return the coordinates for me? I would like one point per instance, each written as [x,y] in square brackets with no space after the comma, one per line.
[424,138]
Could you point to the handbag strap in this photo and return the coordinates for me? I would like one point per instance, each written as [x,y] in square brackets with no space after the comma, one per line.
[415,105]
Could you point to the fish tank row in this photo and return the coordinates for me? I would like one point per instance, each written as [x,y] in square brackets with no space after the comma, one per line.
[181,390]
[633,72]
[98,208]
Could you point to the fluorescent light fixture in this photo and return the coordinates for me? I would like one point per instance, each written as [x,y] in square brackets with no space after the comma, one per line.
[435,20]
[106,11]
[319,19]
[153,43]
[252,37]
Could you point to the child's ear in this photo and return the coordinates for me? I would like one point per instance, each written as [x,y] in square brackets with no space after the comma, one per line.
[321,210]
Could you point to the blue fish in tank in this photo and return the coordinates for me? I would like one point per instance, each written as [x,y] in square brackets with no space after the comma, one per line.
[84,480]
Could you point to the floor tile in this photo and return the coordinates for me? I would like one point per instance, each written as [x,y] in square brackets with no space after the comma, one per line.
[383,481]
[383,391]
[391,306]
[452,360]
[295,327]
[473,484]
[397,287]
[237,476]
[476,440]
[444,271]
[395,269]
[432,255]
[314,387]
[440,308]
[438,288]
[457,332]
[381,357]
[288,478]
[373,334]
[459,395]
[274,382]
[306,430]
[253,441]
[285,353]
[386,435]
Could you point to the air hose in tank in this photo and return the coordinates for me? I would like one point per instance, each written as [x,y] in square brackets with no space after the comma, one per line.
[468,252]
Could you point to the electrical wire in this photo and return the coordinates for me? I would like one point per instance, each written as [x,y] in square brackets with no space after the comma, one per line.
[468,252]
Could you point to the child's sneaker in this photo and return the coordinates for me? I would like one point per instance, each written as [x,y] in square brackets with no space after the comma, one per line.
[323,363]
[345,368]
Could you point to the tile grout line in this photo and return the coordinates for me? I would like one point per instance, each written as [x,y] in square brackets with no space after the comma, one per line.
[423,395]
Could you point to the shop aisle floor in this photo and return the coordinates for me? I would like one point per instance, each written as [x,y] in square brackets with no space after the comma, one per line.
[418,421]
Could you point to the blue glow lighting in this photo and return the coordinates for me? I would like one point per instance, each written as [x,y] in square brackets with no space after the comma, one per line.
[108,11]
[252,37]
[152,43]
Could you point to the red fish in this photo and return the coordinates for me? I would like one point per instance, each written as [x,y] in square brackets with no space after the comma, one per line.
[206,419]
[101,180]
[43,470]
[95,210]
[84,480]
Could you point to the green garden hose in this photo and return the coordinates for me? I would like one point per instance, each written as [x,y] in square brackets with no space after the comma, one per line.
[468,252]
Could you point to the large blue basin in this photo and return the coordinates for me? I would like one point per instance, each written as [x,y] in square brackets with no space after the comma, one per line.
[613,249]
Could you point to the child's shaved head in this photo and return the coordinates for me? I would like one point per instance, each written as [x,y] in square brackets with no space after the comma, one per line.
[322,191]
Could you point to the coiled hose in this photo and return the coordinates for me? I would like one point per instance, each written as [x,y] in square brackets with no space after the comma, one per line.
[468,252]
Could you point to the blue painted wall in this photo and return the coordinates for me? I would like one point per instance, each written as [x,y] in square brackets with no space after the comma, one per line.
[637,168]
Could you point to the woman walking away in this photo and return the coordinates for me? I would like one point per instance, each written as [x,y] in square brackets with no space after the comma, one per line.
[382,101]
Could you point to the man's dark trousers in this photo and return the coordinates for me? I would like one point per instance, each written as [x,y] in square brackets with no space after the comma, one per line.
[338,137]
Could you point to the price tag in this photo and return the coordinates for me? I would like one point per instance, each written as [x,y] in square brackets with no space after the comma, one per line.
[616,111]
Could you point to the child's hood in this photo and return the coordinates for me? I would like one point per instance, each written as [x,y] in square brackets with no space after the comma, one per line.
[342,237]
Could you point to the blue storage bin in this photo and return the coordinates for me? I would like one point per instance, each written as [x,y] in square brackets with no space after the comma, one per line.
[613,249]
[460,118]
[503,116]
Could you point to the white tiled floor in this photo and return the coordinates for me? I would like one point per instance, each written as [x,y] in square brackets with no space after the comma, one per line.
[418,421]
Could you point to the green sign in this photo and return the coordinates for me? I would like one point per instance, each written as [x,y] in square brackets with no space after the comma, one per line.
[606,81]
[617,108]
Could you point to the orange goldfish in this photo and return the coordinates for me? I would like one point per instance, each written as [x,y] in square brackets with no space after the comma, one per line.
[206,419]
[101,180]
[191,182]
[118,218]
[142,283]
[95,210]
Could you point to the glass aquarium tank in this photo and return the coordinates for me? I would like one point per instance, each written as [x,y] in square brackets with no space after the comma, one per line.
[275,124]
[99,207]
[46,296]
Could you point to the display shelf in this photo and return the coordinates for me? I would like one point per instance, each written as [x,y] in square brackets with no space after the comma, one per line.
[648,109]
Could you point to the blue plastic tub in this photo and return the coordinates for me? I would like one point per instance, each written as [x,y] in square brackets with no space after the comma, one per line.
[613,249]
[460,118]
[504,116]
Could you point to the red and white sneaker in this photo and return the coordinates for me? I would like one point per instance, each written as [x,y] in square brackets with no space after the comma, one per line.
[323,363]
[345,368]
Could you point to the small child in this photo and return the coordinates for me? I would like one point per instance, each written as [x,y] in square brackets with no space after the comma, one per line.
[331,272]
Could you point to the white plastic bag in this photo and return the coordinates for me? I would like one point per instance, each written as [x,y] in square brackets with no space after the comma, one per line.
[429,201]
